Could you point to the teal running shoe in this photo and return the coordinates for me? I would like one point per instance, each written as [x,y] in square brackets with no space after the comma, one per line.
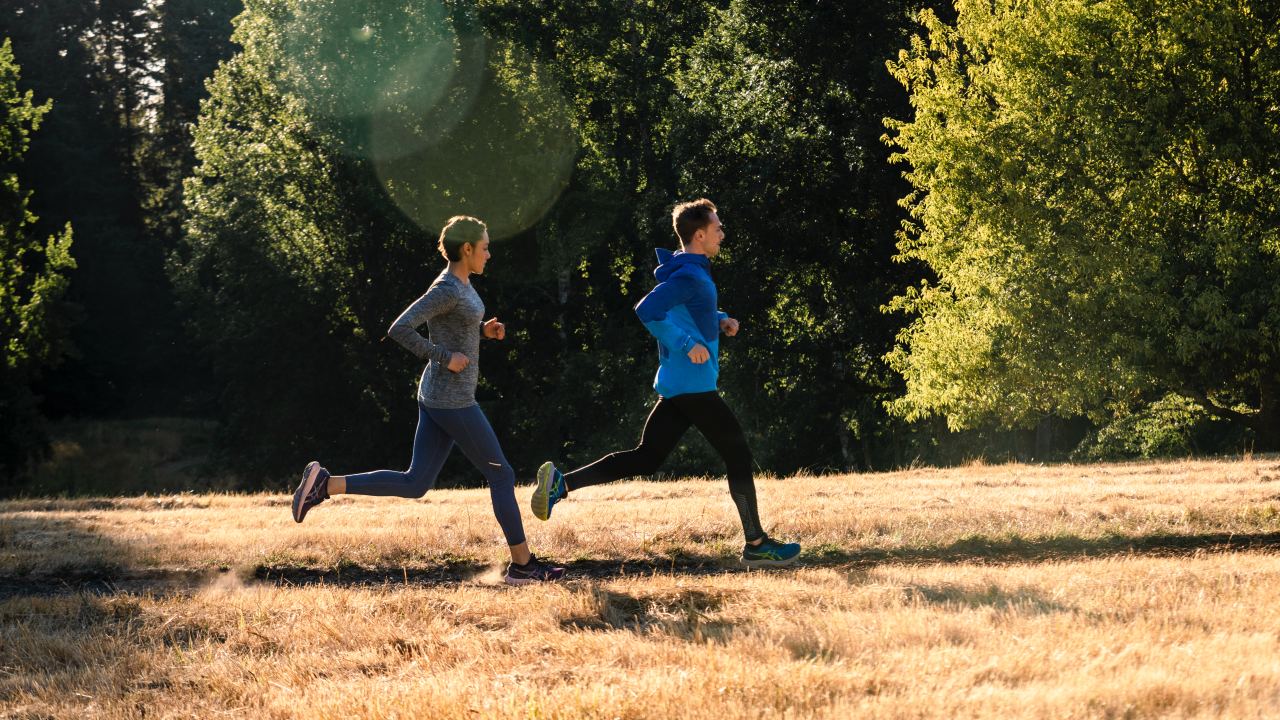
[551,490]
[770,553]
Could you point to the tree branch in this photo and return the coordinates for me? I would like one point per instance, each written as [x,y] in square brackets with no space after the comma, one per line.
[1216,409]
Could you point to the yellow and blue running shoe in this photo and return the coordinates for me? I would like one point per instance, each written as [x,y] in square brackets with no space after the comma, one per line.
[551,490]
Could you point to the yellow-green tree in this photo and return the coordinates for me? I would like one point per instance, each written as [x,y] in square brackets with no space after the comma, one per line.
[1096,192]
[32,281]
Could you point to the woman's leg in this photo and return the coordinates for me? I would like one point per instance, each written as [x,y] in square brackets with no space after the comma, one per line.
[431,445]
[662,430]
[470,429]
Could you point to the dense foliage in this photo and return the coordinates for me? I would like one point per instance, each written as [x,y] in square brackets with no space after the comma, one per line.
[1076,243]
[1096,191]
[33,282]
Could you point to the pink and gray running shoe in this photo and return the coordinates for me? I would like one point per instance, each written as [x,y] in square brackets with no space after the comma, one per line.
[531,572]
[313,490]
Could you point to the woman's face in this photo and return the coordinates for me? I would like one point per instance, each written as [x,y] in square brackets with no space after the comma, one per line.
[477,255]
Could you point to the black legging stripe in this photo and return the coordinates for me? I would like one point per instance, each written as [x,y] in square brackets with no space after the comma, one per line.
[667,423]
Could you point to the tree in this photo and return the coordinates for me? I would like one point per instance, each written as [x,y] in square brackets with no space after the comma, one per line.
[33,280]
[614,63]
[110,157]
[332,148]
[779,114]
[1095,189]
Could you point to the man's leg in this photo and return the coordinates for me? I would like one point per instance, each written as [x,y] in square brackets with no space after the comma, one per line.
[663,429]
[717,423]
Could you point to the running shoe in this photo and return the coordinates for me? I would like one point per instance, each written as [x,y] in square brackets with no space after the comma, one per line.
[531,572]
[770,553]
[551,490]
[313,490]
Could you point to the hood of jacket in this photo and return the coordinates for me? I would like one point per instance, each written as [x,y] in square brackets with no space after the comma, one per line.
[671,262]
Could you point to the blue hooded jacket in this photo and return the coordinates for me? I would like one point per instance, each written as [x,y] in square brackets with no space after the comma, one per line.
[681,312]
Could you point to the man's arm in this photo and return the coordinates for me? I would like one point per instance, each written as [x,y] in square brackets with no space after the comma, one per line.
[654,311]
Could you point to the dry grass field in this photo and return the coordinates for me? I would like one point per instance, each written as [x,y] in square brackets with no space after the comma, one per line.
[1110,591]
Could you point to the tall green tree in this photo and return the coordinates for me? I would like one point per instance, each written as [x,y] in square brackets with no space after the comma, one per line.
[333,147]
[111,155]
[33,281]
[184,42]
[1095,189]
[586,386]
[778,116]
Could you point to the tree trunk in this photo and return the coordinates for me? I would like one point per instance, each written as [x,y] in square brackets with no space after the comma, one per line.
[1266,423]
[846,449]
[1044,438]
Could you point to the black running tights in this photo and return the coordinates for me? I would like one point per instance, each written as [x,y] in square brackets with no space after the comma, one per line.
[667,423]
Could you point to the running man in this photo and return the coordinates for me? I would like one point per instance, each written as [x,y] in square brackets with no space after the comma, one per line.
[447,409]
[682,313]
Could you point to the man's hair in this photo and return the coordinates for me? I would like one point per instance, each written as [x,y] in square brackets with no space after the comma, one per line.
[460,230]
[690,217]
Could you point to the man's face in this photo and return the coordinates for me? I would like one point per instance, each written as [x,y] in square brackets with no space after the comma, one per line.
[712,235]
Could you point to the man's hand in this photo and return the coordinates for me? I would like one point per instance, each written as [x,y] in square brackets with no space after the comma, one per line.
[458,362]
[699,354]
[494,330]
[729,327]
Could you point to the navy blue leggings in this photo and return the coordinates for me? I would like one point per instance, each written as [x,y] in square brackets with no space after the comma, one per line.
[438,430]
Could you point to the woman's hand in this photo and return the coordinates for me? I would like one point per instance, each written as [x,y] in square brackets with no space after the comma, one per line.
[458,362]
[494,330]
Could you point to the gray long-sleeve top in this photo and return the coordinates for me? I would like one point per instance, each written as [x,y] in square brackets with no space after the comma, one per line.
[452,311]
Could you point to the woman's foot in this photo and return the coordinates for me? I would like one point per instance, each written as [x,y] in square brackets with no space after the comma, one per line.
[531,572]
[313,490]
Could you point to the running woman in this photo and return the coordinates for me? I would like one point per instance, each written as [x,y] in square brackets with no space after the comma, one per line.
[681,312]
[447,409]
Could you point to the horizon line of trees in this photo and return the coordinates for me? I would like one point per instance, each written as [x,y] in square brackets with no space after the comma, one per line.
[956,230]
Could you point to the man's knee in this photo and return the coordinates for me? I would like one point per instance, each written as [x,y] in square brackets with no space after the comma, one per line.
[643,459]
[738,461]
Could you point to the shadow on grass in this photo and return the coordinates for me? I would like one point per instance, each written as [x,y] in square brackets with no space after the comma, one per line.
[682,613]
[42,551]
[1025,600]
[968,550]
[110,577]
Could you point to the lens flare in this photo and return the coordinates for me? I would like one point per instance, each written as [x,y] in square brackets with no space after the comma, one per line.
[426,96]
[339,53]
[452,121]
[502,151]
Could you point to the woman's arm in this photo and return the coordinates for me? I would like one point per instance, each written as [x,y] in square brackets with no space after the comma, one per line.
[440,298]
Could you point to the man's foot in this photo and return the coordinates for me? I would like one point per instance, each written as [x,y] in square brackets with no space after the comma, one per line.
[313,490]
[770,553]
[531,572]
[551,490]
